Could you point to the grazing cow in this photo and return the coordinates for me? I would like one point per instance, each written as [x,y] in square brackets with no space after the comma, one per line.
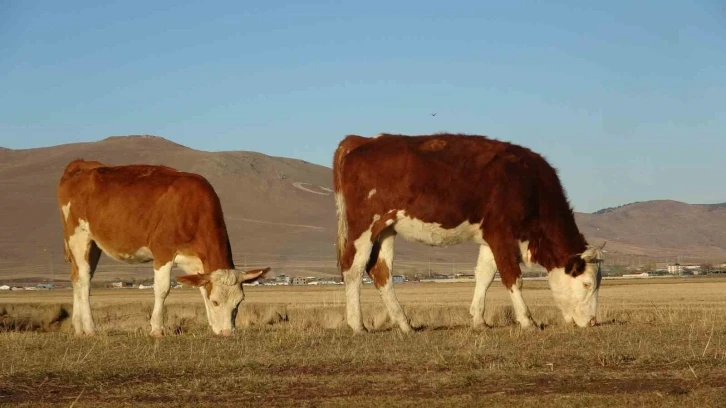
[140,213]
[445,189]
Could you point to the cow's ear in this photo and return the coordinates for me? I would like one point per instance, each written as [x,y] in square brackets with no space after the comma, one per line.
[252,274]
[194,279]
[575,266]
[593,253]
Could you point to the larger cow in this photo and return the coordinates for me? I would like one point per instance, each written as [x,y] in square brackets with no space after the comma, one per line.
[444,189]
[143,213]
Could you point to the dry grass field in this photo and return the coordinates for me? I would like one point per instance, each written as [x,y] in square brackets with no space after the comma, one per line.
[662,342]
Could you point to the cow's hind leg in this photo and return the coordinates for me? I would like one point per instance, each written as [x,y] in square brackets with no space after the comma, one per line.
[380,267]
[485,270]
[353,277]
[84,259]
[162,282]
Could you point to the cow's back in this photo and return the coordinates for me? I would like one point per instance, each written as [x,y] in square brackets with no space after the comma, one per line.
[438,174]
[134,206]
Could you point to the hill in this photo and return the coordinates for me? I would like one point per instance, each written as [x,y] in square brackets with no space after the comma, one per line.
[280,213]
[660,228]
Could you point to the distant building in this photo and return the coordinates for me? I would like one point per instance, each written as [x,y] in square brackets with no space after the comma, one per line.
[399,278]
[299,280]
[283,280]
[4,287]
[679,269]
[324,281]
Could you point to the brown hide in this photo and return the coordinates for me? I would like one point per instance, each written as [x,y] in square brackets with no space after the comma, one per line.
[135,206]
[448,179]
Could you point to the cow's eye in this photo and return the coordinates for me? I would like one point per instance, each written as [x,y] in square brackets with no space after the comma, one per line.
[587,285]
[215,303]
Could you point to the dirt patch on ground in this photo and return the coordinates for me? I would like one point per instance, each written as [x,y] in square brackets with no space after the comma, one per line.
[309,384]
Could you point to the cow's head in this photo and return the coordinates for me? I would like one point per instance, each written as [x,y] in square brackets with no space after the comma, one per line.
[576,287]
[222,293]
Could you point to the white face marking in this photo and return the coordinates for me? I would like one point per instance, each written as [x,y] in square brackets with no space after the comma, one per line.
[576,297]
[370,193]
[224,300]
[413,229]
[66,211]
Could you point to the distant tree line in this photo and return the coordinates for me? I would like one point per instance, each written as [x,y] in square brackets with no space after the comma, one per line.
[610,209]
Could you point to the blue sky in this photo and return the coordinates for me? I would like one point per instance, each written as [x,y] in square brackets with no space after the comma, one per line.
[627,99]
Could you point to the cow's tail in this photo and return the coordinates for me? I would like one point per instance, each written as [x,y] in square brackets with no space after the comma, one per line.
[342,232]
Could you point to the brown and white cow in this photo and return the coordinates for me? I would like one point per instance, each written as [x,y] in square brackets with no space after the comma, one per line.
[445,189]
[144,213]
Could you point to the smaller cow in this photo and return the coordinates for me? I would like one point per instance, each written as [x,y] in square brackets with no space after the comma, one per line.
[144,213]
[446,189]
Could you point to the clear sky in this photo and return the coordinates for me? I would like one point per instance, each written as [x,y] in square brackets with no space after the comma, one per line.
[626,98]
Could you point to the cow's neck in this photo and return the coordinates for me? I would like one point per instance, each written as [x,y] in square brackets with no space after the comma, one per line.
[553,248]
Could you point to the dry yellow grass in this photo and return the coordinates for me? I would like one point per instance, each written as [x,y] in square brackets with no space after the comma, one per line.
[662,343]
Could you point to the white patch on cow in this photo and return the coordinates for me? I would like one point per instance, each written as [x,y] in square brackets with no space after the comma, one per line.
[162,280]
[485,271]
[78,243]
[223,301]
[387,293]
[576,297]
[189,264]
[413,229]
[141,255]
[353,278]
[521,311]
[66,211]
[370,193]
[389,222]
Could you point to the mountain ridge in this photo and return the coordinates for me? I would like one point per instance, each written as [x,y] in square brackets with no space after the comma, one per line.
[281,212]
